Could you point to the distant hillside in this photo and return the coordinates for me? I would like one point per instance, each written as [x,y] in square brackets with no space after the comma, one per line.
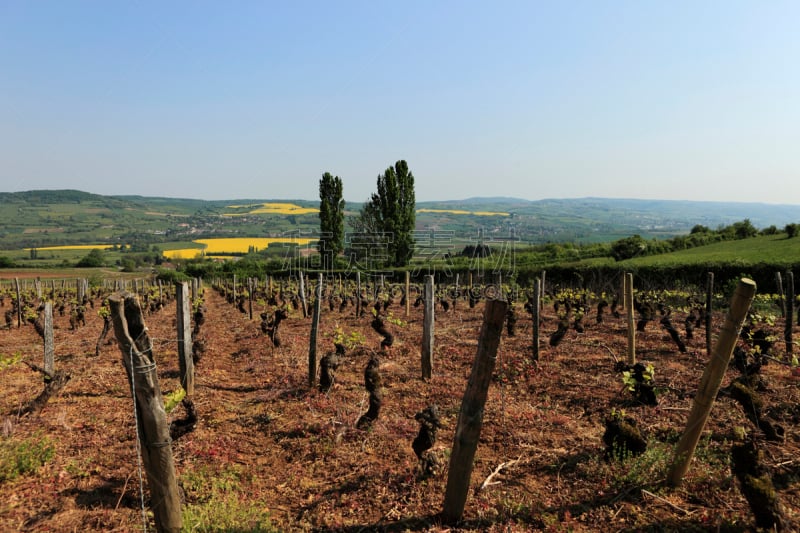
[54,217]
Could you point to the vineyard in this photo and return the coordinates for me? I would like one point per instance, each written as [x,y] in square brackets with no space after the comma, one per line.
[574,435]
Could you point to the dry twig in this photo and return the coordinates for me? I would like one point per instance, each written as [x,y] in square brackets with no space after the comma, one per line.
[488,481]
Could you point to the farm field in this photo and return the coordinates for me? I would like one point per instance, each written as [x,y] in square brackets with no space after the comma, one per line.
[238,245]
[268,453]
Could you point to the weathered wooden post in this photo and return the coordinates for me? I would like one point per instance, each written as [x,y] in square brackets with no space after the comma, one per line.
[185,359]
[711,380]
[37,284]
[250,298]
[535,309]
[781,302]
[49,345]
[709,311]
[408,293]
[787,332]
[151,419]
[470,418]
[427,330]
[19,303]
[631,322]
[358,294]
[303,296]
[544,278]
[312,345]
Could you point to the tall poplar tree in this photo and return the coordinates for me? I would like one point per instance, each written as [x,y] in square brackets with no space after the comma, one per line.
[392,211]
[331,217]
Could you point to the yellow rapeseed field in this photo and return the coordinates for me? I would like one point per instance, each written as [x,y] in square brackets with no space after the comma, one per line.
[232,246]
[462,212]
[272,208]
[182,253]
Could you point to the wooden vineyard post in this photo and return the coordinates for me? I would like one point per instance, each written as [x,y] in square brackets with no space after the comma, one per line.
[543,289]
[303,296]
[358,294]
[535,309]
[629,315]
[49,345]
[709,311]
[312,345]
[250,298]
[470,418]
[151,419]
[194,289]
[711,380]
[19,303]
[781,301]
[427,330]
[787,333]
[408,293]
[185,359]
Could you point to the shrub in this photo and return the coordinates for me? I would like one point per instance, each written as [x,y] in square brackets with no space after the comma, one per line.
[93,259]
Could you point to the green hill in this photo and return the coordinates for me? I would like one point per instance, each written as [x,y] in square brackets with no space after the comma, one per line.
[771,249]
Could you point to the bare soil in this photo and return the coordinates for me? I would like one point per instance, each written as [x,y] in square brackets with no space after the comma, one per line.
[296,452]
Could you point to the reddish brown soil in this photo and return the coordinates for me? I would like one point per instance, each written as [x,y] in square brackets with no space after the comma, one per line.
[297,453]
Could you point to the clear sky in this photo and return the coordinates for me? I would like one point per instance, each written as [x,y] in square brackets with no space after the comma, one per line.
[695,100]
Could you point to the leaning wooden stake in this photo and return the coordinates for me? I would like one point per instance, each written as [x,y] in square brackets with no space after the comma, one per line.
[631,322]
[711,380]
[312,345]
[787,332]
[185,359]
[779,285]
[427,330]
[470,418]
[151,419]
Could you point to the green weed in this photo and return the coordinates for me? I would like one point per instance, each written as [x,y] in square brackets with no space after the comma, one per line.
[17,459]
[9,360]
[214,504]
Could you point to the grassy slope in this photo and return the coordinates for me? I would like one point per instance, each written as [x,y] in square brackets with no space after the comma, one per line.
[774,249]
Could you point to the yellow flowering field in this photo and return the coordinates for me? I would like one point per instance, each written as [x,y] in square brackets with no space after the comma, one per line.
[463,212]
[232,246]
[272,208]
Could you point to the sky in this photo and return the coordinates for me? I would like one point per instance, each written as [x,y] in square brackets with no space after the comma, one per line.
[257,99]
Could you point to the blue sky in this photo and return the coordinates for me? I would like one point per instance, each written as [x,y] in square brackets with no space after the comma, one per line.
[224,100]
